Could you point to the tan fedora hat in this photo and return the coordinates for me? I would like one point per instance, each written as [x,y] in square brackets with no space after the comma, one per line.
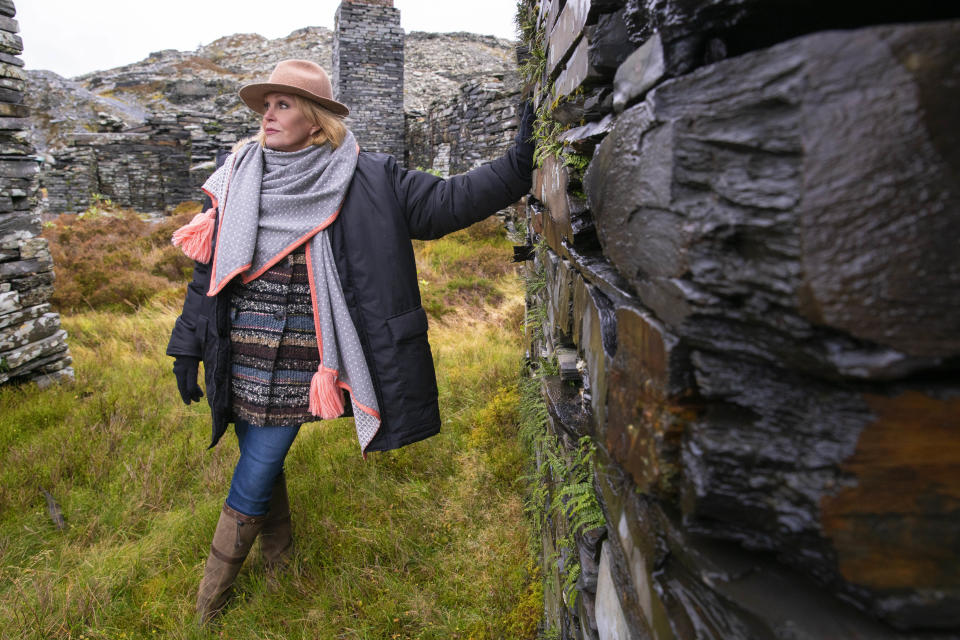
[299,77]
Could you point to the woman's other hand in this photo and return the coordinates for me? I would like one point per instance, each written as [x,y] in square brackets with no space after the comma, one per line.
[186,369]
[524,141]
[525,126]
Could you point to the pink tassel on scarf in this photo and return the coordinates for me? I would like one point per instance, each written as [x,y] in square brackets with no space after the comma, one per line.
[326,400]
[194,238]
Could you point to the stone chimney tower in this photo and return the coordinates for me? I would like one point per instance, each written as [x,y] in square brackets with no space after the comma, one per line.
[368,72]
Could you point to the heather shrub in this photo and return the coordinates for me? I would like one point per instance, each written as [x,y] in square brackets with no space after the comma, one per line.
[112,258]
[172,264]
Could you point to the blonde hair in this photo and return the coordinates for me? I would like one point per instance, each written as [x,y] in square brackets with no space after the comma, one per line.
[332,130]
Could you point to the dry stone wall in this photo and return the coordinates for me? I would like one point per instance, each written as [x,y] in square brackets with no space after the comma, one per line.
[152,168]
[368,72]
[753,286]
[32,344]
[462,133]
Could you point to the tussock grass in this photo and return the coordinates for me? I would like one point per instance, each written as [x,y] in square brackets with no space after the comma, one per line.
[427,542]
[468,273]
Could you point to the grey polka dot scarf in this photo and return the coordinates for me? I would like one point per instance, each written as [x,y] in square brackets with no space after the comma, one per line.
[270,203]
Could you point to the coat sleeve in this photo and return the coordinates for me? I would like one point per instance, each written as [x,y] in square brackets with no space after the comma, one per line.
[185,341]
[435,207]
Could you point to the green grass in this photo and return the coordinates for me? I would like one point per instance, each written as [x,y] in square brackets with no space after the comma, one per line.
[426,542]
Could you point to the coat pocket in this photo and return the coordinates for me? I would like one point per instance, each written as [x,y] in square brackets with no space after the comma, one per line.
[408,324]
[414,360]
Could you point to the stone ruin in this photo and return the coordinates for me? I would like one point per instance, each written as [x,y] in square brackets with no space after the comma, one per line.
[462,133]
[151,168]
[147,168]
[158,165]
[751,294]
[32,344]
[368,72]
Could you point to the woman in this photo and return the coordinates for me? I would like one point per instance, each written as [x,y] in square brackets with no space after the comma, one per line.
[304,300]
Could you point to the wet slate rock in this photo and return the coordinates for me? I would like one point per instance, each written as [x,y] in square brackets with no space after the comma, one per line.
[571,417]
[598,271]
[559,279]
[641,70]
[566,220]
[611,620]
[675,582]
[608,41]
[765,450]
[584,139]
[775,451]
[587,614]
[589,547]
[577,76]
[903,503]
[566,32]
[595,334]
[697,33]
[648,404]
[830,477]
[770,201]
[598,104]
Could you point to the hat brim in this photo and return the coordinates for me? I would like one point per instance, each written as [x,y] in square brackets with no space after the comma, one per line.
[253,94]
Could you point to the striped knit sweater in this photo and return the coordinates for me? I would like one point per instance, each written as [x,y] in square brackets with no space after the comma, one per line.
[274,345]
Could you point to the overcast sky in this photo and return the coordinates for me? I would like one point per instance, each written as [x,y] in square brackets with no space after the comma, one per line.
[73,37]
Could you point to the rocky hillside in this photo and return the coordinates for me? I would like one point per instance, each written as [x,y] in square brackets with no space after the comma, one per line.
[206,80]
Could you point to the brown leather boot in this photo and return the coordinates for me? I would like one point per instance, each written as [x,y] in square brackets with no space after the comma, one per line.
[276,538]
[231,543]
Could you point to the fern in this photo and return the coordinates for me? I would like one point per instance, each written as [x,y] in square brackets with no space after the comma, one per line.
[535,280]
[570,579]
[576,161]
[560,481]
[547,132]
[575,499]
[578,502]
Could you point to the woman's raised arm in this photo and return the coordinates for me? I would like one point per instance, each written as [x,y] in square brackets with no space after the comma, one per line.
[435,207]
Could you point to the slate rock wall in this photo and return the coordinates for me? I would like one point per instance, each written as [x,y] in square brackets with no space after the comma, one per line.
[152,168]
[462,133]
[32,344]
[754,286]
[368,72]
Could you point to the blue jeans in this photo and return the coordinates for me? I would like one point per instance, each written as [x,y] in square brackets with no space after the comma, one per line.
[262,451]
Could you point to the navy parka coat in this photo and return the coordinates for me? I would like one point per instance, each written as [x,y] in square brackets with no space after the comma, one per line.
[384,208]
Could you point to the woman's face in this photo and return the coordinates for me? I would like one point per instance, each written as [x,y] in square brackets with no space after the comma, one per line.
[284,126]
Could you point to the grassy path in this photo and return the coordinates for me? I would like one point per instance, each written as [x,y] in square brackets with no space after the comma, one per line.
[426,542]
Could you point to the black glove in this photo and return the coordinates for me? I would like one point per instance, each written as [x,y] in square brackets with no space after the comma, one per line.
[186,369]
[525,123]
[524,140]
